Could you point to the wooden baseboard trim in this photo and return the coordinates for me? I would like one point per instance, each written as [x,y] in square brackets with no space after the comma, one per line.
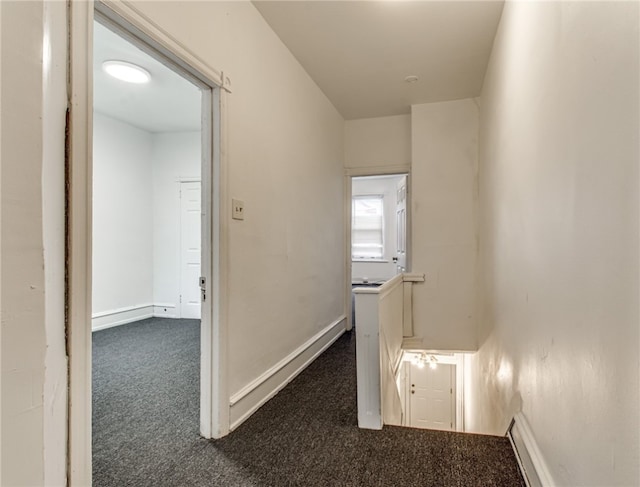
[532,465]
[248,399]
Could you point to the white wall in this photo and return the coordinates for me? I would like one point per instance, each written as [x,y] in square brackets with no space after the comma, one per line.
[385,186]
[122,216]
[174,156]
[137,219]
[285,150]
[559,238]
[440,142]
[372,143]
[53,210]
[443,222]
[23,306]
[33,362]
[1,374]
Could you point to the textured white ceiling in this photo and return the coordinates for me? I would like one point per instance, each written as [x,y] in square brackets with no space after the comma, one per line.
[168,103]
[359,52]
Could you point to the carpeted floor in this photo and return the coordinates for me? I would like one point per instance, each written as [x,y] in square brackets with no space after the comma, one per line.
[145,426]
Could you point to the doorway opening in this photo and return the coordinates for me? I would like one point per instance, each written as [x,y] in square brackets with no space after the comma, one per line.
[146,189]
[124,195]
[147,215]
[378,224]
[431,385]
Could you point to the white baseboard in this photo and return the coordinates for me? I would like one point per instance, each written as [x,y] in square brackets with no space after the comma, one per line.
[530,459]
[249,399]
[164,310]
[120,316]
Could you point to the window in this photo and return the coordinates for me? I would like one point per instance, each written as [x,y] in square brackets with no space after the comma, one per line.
[367,227]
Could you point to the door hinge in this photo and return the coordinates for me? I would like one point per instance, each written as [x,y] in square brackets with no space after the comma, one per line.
[181,298]
[202,281]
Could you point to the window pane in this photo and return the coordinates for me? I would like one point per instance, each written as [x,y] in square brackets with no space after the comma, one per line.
[367,227]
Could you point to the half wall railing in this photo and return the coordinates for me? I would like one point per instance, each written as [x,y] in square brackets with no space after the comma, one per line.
[383,319]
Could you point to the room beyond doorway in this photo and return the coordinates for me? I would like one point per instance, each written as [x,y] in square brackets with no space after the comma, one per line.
[130,24]
[145,153]
[147,239]
[379,226]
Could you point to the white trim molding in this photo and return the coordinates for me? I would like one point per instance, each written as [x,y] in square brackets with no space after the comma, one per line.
[120,316]
[164,310]
[532,465]
[141,26]
[129,314]
[391,170]
[256,393]
[78,230]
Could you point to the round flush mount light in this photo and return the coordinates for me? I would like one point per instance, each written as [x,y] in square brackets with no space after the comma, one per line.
[411,79]
[128,72]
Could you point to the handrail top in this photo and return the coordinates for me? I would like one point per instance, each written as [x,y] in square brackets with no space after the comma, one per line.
[413,277]
[390,284]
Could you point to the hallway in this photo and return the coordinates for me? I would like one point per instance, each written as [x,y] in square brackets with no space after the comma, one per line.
[145,426]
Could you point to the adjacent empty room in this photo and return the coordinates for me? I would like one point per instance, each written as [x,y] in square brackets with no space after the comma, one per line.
[146,239]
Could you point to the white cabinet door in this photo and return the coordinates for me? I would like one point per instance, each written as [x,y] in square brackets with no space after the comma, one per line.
[432,397]
[190,220]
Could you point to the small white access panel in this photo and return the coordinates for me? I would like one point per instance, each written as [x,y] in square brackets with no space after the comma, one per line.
[190,243]
[432,397]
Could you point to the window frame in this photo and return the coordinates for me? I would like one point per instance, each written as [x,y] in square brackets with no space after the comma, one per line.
[369,196]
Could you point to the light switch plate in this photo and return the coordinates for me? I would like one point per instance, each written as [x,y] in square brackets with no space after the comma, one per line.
[237,212]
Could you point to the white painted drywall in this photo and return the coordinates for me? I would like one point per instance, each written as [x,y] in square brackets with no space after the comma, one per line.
[53,211]
[23,310]
[1,374]
[174,156]
[443,222]
[372,143]
[136,217]
[285,150]
[385,186]
[33,398]
[122,216]
[559,242]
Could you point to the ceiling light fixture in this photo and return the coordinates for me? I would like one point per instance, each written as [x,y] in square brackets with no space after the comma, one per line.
[128,72]
[433,363]
[422,359]
[411,79]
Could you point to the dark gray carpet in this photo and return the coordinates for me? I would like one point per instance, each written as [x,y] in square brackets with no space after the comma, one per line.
[145,426]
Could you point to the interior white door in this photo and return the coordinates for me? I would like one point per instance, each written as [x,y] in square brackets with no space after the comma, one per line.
[401,225]
[190,243]
[432,397]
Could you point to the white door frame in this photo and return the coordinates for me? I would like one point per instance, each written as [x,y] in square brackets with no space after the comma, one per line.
[135,26]
[351,173]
